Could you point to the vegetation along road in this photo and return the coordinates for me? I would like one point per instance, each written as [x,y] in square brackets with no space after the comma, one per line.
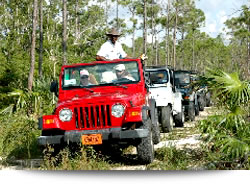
[182,144]
[38,38]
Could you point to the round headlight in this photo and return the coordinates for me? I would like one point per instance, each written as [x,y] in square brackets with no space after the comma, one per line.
[65,115]
[117,110]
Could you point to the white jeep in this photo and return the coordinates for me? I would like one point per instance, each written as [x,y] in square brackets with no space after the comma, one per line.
[168,101]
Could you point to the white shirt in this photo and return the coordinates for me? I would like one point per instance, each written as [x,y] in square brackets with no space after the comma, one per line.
[111,51]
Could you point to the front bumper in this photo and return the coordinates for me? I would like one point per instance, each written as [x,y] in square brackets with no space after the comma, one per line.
[107,134]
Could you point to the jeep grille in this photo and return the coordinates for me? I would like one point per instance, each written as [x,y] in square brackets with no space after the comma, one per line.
[93,116]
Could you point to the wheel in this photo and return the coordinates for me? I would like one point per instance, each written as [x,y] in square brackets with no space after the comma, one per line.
[196,108]
[191,111]
[167,119]
[208,100]
[179,118]
[156,128]
[201,102]
[145,149]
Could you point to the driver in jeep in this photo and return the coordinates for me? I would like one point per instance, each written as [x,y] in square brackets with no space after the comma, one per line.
[121,72]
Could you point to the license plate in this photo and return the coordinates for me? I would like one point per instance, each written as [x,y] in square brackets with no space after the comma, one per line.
[92,139]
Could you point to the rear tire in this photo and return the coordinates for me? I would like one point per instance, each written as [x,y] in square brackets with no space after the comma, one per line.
[191,111]
[145,149]
[167,119]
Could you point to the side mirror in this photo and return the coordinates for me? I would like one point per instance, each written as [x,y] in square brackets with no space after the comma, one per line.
[54,87]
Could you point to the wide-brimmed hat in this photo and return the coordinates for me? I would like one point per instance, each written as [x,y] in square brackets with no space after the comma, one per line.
[113,32]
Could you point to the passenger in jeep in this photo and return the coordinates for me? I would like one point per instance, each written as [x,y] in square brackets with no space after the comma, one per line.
[121,72]
[84,78]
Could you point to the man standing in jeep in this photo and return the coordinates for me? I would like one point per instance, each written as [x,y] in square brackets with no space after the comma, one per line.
[111,49]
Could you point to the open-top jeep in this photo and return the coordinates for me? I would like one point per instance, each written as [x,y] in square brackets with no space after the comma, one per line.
[203,91]
[200,90]
[109,109]
[184,85]
[168,100]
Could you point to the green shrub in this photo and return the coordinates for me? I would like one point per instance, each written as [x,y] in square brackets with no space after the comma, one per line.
[18,136]
[170,158]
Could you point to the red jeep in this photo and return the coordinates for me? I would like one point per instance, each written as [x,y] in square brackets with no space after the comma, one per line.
[105,108]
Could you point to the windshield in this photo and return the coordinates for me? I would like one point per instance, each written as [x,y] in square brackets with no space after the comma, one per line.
[158,77]
[182,78]
[100,74]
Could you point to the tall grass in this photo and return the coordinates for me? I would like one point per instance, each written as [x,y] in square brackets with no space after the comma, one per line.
[86,158]
[18,120]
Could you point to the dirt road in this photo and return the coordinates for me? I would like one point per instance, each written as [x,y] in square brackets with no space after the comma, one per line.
[185,137]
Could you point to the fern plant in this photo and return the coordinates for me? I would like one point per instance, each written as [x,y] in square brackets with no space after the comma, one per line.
[31,102]
[229,131]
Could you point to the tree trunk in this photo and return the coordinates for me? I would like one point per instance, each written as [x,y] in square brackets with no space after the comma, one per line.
[156,51]
[117,15]
[133,35]
[64,41]
[174,38]
[193,63]
[181,65]
[248,54]
[145,27]
[41,39]
[153,32]
[33,46]
[77,21]
[167,36]
[106,12]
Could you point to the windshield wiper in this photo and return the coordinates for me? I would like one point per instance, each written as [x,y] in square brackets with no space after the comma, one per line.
[90,90]
[77,86]
[120,85]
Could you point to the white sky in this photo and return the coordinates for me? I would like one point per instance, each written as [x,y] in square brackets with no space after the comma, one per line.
[216,12]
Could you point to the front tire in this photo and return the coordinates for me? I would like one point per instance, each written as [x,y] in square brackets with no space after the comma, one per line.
[145,149]
[201,102]
[180,118]
[156,128]
[196,108]
[167,119]
[208,99]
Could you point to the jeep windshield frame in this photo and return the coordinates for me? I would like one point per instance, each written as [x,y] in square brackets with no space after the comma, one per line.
[100,74]
[158,76]
[182,78]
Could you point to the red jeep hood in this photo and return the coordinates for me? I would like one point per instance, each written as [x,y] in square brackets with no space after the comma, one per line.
[98,97]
